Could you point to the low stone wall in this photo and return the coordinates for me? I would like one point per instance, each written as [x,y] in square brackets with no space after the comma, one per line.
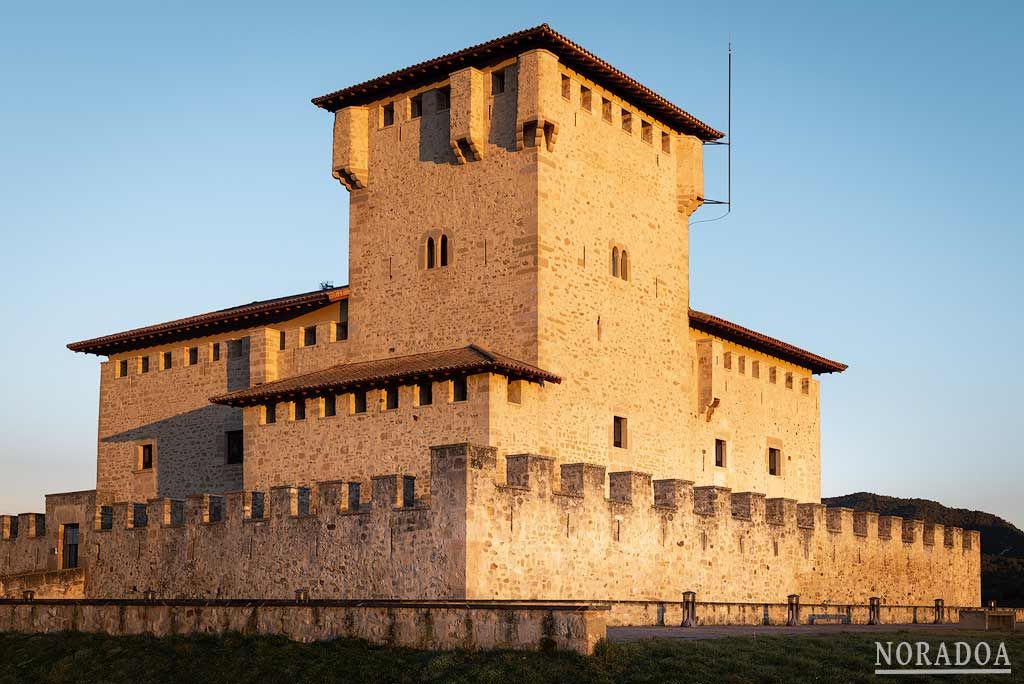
[425,625]
[52,584]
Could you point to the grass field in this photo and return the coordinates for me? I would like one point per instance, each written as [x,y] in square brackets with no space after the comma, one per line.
[76,657]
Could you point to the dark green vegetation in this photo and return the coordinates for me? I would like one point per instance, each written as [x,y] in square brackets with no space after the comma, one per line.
[1002,544]
[78,657]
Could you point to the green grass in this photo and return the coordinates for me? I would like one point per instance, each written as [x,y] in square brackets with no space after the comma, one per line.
[75,657]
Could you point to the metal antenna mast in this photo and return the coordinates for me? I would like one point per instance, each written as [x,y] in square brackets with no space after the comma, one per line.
[728,152]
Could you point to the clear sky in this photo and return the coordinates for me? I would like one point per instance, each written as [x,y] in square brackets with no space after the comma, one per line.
[161,160]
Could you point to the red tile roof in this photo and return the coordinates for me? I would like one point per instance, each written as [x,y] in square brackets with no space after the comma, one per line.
[760,342]
[380,372]
[234,318]
[543,36]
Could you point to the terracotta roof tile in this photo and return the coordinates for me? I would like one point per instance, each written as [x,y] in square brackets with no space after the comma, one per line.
[380,372]
[234,318]
[543,36]
[763,343]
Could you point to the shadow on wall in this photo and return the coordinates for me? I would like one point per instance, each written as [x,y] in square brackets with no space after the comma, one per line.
[189,453]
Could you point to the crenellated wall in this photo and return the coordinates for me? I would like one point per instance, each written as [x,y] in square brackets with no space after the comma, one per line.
[600,537]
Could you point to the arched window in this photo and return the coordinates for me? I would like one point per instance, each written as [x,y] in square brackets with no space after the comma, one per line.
[615,261]
[444,250]
[624,266]
[430,252]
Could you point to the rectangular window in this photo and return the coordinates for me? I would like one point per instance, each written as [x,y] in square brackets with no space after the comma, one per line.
[70,559]
[805,386]
[341,328]
[742,364]
[146,457]
[168,360]
[497,82]
[727,360]
[720,453]
[309,336]
[666,143]
[566,86]
[646,131]
[425,393]
[774,460]
[299,409]
[755,369]
[234,349]
[144,364]
[282,340]
[789,381]
[415,106]
[585,98]
[359,401]
[772,375]
[619,435]
[330,404]
[391,397]
[269,413]
[235,449]
[606,109]
[444,98]
[460,389]
[627,121]
[515,392]
[122,368]
[193,356]
[215,351]
[387,114]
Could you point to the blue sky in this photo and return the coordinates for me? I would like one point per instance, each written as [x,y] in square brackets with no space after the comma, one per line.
[163,160]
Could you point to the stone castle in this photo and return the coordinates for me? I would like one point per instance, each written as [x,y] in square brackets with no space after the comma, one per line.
[511,400]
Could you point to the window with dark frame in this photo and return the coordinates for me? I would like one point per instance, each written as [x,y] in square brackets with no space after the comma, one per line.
[720,453]
[168,360]
[424,393]
[387,117]
[215,351]
[444,250]
[341,329]
[391,397]
[146,457]
[235,447]
[122,368]
[431,256]
[497,82]
[309,336]
[619,435]
[70,555]
[460,389]
[193,356]
[359,401]
[269,413]
[144,364]
[330,406]
[416,106]
[774,460]
[299,409]
[282,340]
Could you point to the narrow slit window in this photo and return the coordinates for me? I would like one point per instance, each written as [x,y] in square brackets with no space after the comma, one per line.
[624,266]
[146,457]
[460,389]
[415,106]
[387,114]
[720,453]
[235,450]
[425,393]
[497,82]
[444,250]
[774,460]
[282,340]
[341,328]
[619,435]
[615,262]
[431,257]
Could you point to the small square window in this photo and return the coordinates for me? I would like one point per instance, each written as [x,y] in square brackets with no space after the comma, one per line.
[144,364]
[566,86]
[424,393]
[387,114]
[215,351]
[193,356]
[515,392]
[359,401]
[122,368]
[585,98]
[299,409]
[774,460]
[646,131]
[460,389]
[235,450]
[720,453]
[619,436]
[497,82]
[627,121]
[168,360]
[444,98]
[666,143]
[282,340]
[606,109]
[269,413]
[391,397]
[416,106]
[146,457]
[309,336]
[330,404]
